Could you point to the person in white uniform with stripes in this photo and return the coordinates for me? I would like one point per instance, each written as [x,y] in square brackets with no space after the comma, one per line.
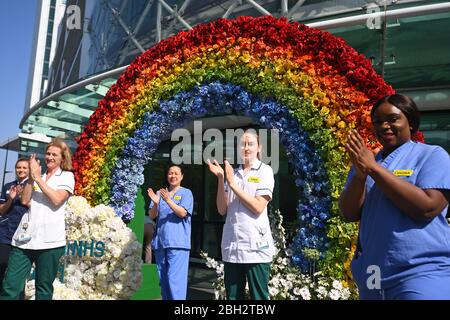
[40,237]
[247,244]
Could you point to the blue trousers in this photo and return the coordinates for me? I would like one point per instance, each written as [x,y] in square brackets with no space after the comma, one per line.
[172,265]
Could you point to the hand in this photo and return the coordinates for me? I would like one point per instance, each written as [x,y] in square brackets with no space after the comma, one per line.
[216,169]
[13,192]
[229,173]
[164,194]
[19,188]
[362,158]
[35,167]
[359,173]
[153,196]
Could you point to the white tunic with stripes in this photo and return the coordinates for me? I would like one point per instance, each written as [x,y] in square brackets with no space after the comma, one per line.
[246,237]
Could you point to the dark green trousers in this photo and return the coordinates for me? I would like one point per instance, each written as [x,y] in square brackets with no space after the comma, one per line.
[19,267]
[237,274]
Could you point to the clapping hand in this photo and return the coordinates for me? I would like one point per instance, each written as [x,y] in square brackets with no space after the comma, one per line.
[153,196]
[35,167]
[13,192]
[216,169]
[19,189]
[229,173]
[361,157]
[164,194]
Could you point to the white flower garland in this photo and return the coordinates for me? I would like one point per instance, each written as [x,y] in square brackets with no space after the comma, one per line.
[110,263]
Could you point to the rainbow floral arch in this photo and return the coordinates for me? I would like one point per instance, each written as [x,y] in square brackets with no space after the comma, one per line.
[309,84]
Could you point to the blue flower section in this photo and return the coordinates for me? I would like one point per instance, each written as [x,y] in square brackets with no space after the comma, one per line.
[218,98]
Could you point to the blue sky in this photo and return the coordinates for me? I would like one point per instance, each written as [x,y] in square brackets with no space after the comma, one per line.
[16,33]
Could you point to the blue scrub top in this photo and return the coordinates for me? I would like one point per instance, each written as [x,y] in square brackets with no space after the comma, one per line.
[388,238]
[10,220]
[171,230]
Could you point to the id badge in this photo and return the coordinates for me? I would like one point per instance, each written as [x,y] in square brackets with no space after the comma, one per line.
[23,235]
[262,244]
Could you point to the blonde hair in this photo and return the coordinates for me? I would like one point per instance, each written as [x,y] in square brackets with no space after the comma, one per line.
[66,163]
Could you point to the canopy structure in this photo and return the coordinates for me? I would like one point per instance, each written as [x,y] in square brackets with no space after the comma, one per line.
[408,51]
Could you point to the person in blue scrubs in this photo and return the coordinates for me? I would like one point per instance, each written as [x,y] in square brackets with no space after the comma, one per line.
[173,206]
[400,197]
[11,212]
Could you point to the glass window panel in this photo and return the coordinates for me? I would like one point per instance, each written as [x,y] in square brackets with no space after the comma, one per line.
[435,126]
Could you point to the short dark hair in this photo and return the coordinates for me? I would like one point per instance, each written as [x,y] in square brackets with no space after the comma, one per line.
[173,165]
[21,160]
[406,105]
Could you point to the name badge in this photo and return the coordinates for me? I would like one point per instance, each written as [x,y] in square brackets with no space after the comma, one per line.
[177,198]
[262,244]
[253,179]
[403,173]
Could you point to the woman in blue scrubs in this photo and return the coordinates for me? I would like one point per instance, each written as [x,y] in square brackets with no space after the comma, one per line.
[400,196]
[172,242]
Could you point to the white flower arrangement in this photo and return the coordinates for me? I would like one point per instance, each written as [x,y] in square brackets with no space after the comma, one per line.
[286,281]
[109,266]
[219,284]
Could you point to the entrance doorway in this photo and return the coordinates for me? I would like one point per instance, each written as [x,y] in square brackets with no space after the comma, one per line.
[207,223]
